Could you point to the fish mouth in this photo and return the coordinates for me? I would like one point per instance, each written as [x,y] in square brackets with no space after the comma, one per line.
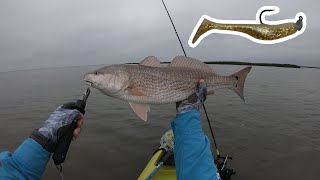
[88,82]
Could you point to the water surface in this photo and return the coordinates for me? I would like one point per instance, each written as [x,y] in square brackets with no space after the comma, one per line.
[273,135]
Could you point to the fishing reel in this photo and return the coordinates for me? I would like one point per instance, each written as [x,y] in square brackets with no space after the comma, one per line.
[224,171]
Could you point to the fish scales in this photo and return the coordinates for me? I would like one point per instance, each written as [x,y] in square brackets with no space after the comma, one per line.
[151,82]
[170,84]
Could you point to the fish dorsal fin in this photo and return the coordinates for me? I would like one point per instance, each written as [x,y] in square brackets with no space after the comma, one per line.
[151,61]
[141,110]
[187,62]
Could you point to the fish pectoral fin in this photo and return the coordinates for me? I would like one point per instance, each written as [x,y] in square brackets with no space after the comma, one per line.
[187,62]
[151,61]
[141,110]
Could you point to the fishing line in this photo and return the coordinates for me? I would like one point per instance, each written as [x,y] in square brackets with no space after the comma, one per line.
[184,52]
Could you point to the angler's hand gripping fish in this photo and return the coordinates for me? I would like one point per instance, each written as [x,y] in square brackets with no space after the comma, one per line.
[151,82]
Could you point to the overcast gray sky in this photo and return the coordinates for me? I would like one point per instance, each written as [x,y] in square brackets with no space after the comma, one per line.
[47,33]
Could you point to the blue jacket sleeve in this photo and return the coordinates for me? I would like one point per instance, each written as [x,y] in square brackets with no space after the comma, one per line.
[193,157]
[27,162]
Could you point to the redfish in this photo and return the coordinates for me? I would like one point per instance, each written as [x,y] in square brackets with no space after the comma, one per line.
[152,82]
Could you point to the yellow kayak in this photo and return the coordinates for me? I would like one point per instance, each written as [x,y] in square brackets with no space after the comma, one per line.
[162,167]
[166,172]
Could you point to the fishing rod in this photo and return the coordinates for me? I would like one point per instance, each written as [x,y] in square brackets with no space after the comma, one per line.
[184,52]
[221,162]
[175,30]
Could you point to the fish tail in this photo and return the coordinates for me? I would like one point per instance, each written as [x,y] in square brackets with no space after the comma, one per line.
[240,79]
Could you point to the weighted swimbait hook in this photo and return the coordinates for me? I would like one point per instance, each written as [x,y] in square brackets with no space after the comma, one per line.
[260,16]
[260,31]
[299,21]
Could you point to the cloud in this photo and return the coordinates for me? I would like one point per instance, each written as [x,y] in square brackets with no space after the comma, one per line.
[43,33]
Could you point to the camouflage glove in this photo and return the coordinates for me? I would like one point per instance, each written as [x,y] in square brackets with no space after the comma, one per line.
[195,100]
[58,123]
[58,119]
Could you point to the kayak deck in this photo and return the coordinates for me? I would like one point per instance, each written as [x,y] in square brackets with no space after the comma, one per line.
[166,172]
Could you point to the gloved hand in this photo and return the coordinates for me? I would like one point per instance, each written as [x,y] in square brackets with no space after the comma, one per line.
[57,125]
[194,101]
[58,121]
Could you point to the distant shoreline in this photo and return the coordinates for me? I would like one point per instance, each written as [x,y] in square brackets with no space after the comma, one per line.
[251,64]
[208,62]
[259,64]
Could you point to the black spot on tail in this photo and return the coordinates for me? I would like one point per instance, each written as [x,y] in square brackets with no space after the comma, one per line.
[240,77]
